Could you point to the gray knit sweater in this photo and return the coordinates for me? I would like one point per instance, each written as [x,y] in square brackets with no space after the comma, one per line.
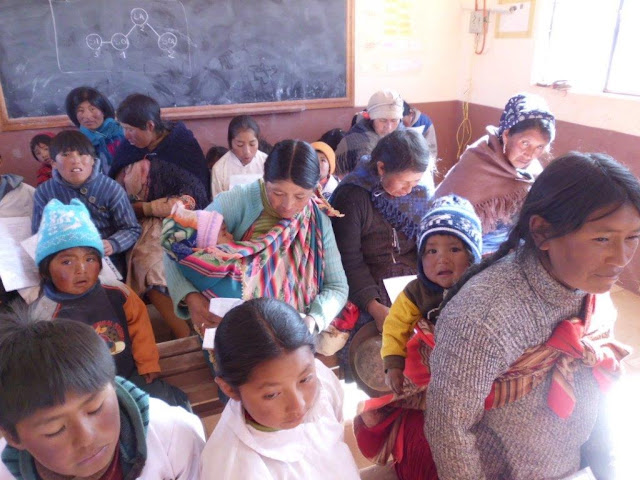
[511,306]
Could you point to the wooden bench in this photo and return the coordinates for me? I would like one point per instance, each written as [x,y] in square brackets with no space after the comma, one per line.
[183,365]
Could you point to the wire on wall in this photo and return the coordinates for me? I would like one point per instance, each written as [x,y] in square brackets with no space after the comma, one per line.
[463,134]
[485,27]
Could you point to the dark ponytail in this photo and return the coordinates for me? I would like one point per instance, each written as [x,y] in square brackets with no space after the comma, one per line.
[565,194]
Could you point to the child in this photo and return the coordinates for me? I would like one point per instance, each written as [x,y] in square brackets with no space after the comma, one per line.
[77,175]
[39,146]
[68,255]
[450,241]
[327,158]
[284,419]
[244,159]
[412,117]
[64,413]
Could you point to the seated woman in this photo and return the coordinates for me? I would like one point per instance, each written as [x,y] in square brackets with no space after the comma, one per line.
[496,172]
[243,157]
[383,116]
[303,266]
[158,165]
[383,200]
[524,342]
[93,113]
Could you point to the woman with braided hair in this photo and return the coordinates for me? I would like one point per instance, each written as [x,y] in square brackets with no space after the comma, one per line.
[524,342]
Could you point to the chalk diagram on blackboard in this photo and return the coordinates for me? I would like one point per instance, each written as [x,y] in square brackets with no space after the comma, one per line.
[156,39]
[120,41]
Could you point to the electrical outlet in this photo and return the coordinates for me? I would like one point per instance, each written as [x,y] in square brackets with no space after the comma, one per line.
[476,22]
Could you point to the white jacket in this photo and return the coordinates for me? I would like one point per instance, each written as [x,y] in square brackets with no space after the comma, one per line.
[175,439]
[230,165]
[314,449]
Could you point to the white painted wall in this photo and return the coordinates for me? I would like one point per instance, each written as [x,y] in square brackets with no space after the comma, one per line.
[507,67]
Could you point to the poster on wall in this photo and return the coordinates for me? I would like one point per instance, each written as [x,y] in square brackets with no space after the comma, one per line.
[518,23]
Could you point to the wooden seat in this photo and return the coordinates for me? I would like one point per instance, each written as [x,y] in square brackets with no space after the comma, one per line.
[183,365]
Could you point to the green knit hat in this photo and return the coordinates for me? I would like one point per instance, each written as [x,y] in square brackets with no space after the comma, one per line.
[66,226]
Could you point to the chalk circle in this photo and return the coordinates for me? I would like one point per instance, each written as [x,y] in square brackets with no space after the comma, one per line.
[119,41]
[94,41]
[139,16]
[167,41]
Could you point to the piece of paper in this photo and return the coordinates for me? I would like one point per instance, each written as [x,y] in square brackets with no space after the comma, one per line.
[395,285]
[220,306]
[108,274]
[242,179]
[17,268]
[209,337]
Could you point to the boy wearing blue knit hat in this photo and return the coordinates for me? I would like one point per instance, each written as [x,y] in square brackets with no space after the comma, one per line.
[450,240]
[69,257]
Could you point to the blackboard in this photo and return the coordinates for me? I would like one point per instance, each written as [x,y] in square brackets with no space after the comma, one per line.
[200,57]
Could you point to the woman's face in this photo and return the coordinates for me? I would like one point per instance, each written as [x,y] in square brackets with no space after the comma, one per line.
[140,137]
[384,126]
[593,257]
[89,116]
[245,146]
[398,184]
[523,148]
[287,198]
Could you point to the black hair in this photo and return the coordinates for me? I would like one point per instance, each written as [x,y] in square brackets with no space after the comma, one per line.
[259,330]
[137,109]
[70,141]
[293,160]
[402,150]
[543,125]
[39,139]
[45,263]
[41,362]
[565,194]
[264,146]
[214,154]
[239,124]
[333,137]
[87,94]
[406,109]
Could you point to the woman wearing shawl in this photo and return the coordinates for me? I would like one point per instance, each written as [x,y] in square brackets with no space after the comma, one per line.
[158,165]
[283,245]
[496,172]
[93,113]
[383,200]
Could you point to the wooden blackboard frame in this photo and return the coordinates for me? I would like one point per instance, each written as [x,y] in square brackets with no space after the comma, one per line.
[211,111]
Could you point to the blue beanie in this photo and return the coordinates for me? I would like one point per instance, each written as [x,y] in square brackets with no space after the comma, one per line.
[66,226]
[450,215]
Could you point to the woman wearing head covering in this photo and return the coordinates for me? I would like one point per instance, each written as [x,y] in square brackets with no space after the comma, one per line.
[497,171]
[383,116]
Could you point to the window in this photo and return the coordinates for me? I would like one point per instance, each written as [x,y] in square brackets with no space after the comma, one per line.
[592,44]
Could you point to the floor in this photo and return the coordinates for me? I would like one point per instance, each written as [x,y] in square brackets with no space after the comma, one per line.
[627,330]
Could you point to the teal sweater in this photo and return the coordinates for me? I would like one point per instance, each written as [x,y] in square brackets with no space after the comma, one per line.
[240,208]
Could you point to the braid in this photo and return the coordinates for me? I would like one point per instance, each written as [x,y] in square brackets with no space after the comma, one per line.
[505,247]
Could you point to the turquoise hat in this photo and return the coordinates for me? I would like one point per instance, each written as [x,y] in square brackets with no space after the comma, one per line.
[66,226]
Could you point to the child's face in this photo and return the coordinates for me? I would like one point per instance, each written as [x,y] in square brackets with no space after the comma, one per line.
[42,153]
[74,167]
[89,116]
[444,259]
[75,270]
[281,391]
[245,146]
[224,236]
[75,439]
[324,168]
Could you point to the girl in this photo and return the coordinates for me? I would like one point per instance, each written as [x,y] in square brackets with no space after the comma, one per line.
[39,146]
[284,419]
[496,172]
[243,157]
[93,113]
[524,342]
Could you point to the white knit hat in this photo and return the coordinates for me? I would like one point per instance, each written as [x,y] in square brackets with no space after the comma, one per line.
[385,104]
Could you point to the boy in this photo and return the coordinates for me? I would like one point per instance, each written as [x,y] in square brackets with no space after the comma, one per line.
[69,257]
[450,240]
[78,175]
[64,413]
[39,146]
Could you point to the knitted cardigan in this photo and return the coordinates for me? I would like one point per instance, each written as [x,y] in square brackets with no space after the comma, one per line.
[512,305]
